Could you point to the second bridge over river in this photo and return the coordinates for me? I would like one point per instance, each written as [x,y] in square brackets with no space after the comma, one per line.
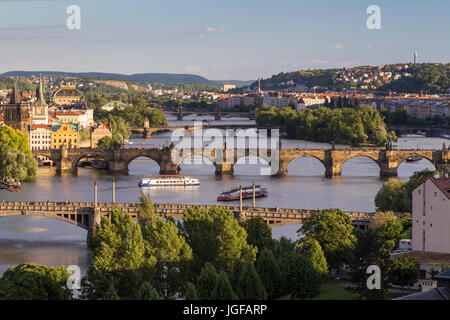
[87,214]
[170,158]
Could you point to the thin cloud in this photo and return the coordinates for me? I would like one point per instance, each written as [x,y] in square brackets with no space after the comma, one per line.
[337,46]
[209,29]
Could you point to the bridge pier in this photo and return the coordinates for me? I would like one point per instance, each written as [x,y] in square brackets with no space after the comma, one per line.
[146,134]
[118,166]
[94,220]
[168,167]
[224,169]
[179,116]
[218,117]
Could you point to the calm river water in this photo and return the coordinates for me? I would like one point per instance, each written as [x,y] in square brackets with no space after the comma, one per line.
[51,242]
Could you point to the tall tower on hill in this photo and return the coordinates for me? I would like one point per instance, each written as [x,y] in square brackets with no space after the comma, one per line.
[16,113]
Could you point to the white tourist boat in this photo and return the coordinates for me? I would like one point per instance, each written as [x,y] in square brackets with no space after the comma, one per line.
[168,180]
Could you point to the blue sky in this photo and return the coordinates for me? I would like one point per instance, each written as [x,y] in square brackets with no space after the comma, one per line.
[226,39]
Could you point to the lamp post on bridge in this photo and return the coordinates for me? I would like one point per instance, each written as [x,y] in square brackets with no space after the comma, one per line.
[113,190]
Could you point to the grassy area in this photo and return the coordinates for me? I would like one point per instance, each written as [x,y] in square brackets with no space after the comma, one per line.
[335,290]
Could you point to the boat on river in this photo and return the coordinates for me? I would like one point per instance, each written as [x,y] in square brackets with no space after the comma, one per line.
[247,193]
[413,159]
[10,184]
[168,180]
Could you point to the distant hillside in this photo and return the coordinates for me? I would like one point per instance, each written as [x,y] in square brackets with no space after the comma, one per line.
[401,77]
[140,78]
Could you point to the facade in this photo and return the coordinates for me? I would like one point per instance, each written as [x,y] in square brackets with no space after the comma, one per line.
[16,113]
[67,95]
[98,132]
[431,216]
[40,137]
[83,117]
[66,134]
[227,87]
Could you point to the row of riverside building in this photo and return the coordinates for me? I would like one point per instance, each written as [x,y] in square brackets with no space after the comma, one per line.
[51,127]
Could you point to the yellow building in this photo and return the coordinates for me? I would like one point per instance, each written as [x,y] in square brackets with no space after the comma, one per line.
[65,134]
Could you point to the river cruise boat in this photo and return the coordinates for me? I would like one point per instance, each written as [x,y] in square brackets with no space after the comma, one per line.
[247,193]
[168,180]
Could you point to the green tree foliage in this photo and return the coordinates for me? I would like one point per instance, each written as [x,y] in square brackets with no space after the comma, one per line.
[85,135]
[215,236]
[33,282]
[147,292]
[165,249]
[111,294]
[206,282]
[334,232]
[389,233]
[347,125]
[392,196]
[249,285]
[191,292]
[223,289]
[16,159]
[304,280]
[282,250]
[269,273]
[118,244]
[404,271]
[312,249]
[119,128]
[259,234]
[368,251]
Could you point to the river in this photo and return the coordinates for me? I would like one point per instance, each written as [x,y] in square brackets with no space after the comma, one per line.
[51,242]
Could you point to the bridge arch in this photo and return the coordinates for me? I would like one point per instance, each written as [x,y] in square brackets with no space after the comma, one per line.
[79,220]
[407,170]
[347,162]
[78,158]
[136,157]
[304,157]
[251,165]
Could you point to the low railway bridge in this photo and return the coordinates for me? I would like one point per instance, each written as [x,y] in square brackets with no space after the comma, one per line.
[87,214]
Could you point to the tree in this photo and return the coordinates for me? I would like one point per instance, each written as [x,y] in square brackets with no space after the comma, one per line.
[312,249]
[404,271]
[389,233]
[249,285]
[304,280]
[223,289]
[206,282]
[165,250]
[380,218]
[369,250]
[29,281]
[16,159]
[333,230]
[111,294]
[392,196]
[118,253]
[283,249]
[216,237]
[147,292]
[269,273]
[85,135]
[259,234]
[415,181]
[191,292]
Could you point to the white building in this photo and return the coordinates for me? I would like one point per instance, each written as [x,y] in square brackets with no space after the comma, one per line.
[431,216]
[39,137]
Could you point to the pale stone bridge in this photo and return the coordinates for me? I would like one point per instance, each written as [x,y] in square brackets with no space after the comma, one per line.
[170,158]
[87,214]
[147,131]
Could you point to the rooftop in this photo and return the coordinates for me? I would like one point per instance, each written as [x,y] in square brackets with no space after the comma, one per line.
[443,184]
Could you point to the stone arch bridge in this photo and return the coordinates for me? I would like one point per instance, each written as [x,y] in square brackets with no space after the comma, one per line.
[170,158]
